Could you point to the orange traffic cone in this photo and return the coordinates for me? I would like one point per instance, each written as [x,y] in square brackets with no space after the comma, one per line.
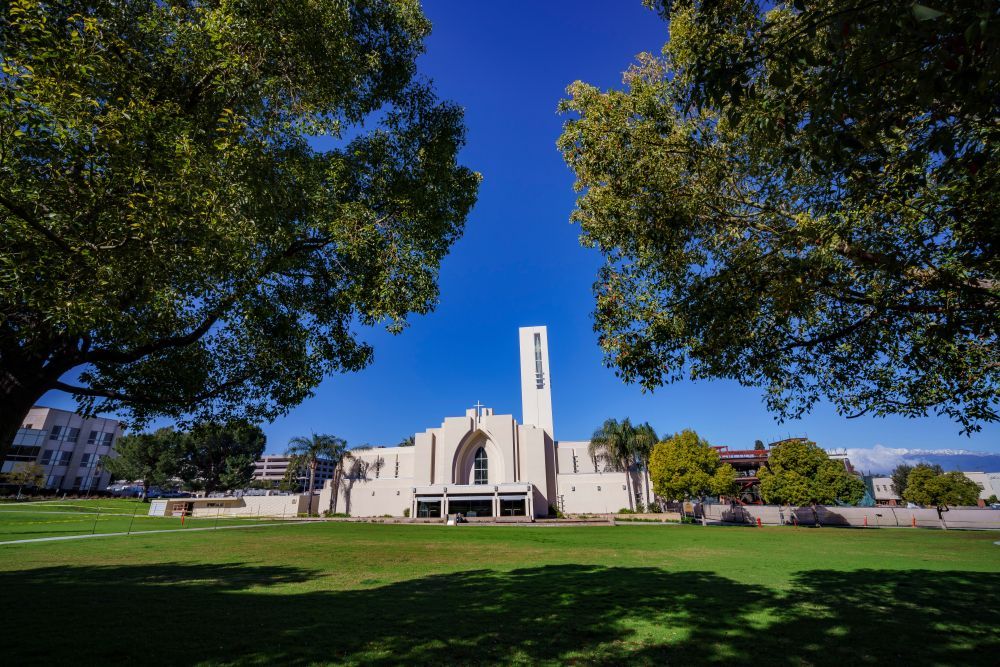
[758,522]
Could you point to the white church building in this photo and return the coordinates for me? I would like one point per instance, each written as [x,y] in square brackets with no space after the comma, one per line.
[487,465]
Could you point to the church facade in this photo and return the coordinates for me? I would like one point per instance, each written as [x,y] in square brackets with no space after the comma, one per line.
[483,464]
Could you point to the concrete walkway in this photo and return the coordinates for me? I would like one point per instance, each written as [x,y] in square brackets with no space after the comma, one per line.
[150,532]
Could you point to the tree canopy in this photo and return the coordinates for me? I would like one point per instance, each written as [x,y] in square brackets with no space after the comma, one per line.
[685,466]
[155,458]
[220,456]
[619,445]
[172,236]
[928,486]
[306,453]
[803,198]
[798,472]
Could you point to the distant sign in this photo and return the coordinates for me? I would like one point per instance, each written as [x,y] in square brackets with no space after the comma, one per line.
[158,508]
[688,507]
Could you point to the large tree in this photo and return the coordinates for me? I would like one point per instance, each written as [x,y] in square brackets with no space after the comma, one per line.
[307,452]
[685,466]
[155,458]
[798,472]
[803,196]
[174,241]
[645,439]
[614,444]
[220,456]
[928,485]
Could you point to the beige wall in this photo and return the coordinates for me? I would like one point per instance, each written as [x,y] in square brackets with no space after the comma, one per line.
[855,516]
[264,506]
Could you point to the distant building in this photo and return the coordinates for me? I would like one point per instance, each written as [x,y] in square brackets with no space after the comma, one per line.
[272,470]
[988,483]
[68,447]
[884,492]
[747,463]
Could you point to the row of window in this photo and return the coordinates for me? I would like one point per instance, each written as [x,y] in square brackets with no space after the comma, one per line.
[429,509]
[55,458]
[72,434]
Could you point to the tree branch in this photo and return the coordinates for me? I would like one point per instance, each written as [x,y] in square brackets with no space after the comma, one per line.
[34,222]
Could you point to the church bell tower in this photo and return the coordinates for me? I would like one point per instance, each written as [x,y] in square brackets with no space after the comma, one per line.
[536,387]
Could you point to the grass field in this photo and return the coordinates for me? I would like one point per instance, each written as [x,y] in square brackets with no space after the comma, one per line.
[384,594]
[63,518]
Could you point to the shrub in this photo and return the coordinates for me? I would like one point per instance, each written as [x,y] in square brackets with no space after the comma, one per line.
[406,512]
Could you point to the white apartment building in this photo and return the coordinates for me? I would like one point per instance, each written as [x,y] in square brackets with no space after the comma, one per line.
[272,469]
[67,446]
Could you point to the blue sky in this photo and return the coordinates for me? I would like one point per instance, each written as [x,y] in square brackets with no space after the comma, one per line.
[520,262]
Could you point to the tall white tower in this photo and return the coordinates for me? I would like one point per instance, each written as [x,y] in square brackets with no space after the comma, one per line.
[536,381]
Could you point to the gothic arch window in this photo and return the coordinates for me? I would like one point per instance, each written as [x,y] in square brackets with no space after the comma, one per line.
[480,468]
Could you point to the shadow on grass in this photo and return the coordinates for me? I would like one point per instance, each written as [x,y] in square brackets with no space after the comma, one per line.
[182,614]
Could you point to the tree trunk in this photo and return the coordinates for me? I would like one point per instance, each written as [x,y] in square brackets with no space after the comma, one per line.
[944,526]
[14,405]
[24,380]
[815,514]
[704,519]
[645,481]
[336,486]
[628,486]
[312,484]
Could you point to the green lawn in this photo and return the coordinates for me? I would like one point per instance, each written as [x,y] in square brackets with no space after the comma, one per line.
[363,594]
[21,521]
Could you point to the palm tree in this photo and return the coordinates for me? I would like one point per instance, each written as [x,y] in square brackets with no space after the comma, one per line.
[645,439]
[310,450]
[615,443]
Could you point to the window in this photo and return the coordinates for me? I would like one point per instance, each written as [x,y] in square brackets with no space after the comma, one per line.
[539,376]
[93,437]
[85,460]
[54,433]
[73,435]
[480,468]
[512,507]
[63,458]
[47,456]
[78,482]
[429,508]
[106,439]
[471,508]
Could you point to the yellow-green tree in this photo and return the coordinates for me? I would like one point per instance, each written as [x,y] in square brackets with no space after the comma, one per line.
[798,472]
[933,488]
[685,466]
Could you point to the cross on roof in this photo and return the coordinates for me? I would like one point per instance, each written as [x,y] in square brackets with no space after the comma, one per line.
[479,409]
